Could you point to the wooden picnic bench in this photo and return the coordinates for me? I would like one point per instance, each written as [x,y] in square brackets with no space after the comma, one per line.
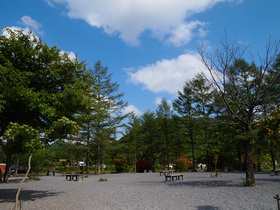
[165,172]
[276,172]
[74,177]
[174,177]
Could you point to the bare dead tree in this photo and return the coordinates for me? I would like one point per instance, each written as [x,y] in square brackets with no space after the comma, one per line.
[242,87]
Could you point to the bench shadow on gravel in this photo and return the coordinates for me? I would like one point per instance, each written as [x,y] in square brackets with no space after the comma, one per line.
[9,195]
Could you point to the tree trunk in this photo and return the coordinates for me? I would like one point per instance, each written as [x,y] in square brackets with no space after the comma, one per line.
[250,177]
[20,185]
[98,159]
[7,170]
[87,160]
[272,157]
[87,154]
[16,169]
[108,165]
[102,165]
[192,143]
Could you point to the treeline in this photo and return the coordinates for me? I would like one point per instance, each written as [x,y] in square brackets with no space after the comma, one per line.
[198,126]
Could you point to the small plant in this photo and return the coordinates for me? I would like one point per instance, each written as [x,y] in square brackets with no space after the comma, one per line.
[246,183]
[102,179]
[277,199]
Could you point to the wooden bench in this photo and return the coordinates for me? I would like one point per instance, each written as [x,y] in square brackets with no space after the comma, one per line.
[174,177]
[276,172]
[74,177]
[165,172]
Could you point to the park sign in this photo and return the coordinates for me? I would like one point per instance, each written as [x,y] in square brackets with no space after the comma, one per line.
[62,160]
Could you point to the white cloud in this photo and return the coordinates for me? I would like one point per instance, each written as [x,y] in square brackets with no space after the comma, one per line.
[31,23]
[167,75]
[71,55]
[184,33]
[158,101]
[131,108]
[167,20]
[49,2]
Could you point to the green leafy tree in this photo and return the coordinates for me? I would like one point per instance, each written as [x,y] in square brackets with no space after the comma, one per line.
[39,84]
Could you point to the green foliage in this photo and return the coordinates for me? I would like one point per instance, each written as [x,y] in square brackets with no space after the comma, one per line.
[58,150]
[38,84]
[22,139]
[62,128]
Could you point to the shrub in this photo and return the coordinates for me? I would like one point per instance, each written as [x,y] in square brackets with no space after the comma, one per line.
[159,167]
[183,164]
[121,165]
[145,165]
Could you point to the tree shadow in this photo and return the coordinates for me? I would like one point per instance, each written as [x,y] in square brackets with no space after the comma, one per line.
[15,181]
[207,208]
[9,195]
[267,180]
[206,184]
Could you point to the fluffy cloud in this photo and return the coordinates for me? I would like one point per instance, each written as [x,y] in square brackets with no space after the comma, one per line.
[167,20]
[167,75]
[32,24]
[130,109]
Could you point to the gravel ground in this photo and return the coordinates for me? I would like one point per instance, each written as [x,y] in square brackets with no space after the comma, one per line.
[144,191]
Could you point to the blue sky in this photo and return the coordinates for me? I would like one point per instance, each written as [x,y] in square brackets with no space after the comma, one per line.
[148,45]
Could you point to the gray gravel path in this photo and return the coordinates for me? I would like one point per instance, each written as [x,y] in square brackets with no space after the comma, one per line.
[198,191]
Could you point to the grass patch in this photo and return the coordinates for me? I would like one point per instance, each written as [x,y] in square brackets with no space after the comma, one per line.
[102,179]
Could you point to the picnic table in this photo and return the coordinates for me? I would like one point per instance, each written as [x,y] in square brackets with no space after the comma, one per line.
[174,177]
[165,172]
[74,177]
